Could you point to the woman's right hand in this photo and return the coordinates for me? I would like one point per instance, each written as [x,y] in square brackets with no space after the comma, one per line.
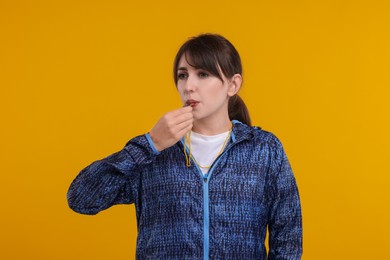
[171,127]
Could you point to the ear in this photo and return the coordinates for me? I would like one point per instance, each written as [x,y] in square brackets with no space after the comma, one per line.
[234,85]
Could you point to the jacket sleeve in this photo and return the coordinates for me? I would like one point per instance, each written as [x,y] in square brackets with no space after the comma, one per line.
[285,217]
[111,180]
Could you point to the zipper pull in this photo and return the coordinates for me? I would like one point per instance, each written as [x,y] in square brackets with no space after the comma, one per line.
[205,179]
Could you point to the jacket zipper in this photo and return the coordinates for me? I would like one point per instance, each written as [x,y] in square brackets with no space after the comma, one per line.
[206,215]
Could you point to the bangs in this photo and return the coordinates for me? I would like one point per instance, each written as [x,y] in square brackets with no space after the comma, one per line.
[202,58]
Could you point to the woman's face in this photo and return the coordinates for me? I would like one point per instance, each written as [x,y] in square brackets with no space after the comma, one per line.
[206,93]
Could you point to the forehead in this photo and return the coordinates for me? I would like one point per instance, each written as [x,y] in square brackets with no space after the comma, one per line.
[184,64]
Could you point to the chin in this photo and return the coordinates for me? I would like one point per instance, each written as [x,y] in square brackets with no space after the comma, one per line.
[200,116]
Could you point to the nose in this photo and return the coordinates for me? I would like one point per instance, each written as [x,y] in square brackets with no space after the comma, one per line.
[190,84]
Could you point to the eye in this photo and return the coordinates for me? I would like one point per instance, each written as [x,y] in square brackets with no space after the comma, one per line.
[182,75]
[203,74]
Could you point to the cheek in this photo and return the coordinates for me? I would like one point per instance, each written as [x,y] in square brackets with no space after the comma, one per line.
[217,92]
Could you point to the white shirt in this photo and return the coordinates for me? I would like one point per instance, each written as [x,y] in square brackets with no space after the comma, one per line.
[205,148]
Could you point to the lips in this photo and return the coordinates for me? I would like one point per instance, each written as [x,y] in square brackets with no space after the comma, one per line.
[191,102]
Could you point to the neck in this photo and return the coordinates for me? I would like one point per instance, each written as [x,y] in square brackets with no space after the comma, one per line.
[212,126]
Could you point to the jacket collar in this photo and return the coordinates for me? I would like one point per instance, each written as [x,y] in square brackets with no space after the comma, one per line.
[240,131]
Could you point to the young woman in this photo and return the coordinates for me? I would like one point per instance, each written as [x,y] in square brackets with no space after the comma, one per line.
[205,183]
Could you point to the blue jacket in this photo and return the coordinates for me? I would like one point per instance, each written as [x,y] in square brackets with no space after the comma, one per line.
[182,214]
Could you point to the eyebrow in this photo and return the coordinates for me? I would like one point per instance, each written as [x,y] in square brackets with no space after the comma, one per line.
[185,68]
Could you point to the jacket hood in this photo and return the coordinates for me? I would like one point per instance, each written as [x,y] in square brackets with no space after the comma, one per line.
[241,131]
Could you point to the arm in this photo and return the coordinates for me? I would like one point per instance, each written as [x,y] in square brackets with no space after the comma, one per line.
[112,180]
[109,181]
[285,218]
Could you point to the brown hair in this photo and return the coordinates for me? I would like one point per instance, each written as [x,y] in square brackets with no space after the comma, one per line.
[208,51]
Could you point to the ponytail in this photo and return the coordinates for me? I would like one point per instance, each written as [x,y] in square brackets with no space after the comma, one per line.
[238,110]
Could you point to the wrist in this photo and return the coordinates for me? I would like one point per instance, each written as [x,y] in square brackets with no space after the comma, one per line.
[153,143]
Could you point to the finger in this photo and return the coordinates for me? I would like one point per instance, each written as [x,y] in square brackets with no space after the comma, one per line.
[182,118]
[183,125]
[183,131]
[180,111]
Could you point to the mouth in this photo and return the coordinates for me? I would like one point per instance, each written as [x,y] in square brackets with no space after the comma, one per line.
[191,102]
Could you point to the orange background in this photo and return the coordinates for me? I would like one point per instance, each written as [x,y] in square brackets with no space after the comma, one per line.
[80,78]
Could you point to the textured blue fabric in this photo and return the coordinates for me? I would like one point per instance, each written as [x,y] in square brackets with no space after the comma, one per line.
[182,214]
